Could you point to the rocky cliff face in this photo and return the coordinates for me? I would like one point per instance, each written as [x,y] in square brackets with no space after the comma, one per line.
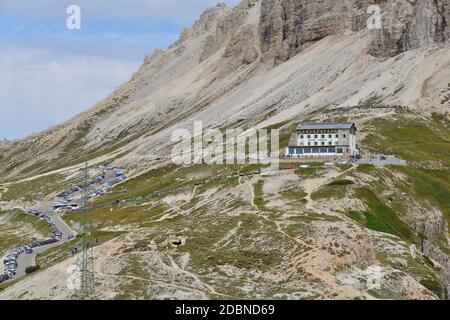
[433,226]
[288,26]
[411,24]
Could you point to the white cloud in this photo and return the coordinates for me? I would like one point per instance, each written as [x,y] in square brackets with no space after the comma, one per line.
[47,77]
[180,11]
[38,91]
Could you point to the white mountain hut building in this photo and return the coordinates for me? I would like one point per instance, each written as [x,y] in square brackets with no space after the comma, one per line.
[323,140]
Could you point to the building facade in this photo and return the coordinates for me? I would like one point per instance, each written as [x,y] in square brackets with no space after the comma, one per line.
[323,140]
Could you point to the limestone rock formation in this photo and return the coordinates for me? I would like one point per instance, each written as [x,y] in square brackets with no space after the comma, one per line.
[411,24]
[287,26]
[229,47]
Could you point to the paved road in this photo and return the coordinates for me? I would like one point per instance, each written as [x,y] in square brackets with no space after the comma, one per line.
[28,260]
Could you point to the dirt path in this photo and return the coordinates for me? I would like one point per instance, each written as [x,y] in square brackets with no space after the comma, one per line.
[312,185]
[277,224]
[169,284]
[177,268]
[173,267]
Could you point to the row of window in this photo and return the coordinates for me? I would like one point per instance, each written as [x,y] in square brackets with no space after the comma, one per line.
[293,151]
[316,136]
[323,143]
[319,131]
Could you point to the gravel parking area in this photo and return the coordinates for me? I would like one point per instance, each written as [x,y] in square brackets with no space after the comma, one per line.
[384,160]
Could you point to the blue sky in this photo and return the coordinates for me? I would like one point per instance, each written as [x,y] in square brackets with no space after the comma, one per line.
[49,73]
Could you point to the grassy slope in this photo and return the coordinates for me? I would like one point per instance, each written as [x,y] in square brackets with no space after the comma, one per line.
[381,217]
[426,145]
[412,138]
[62,252]
[206,227]
[14,220]
[209,230]
[427,184]
[36,189]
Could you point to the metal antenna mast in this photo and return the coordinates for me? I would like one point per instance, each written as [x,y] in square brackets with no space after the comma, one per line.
[85,259]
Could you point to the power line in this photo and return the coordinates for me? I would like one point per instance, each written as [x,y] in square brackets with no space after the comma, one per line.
[85,258]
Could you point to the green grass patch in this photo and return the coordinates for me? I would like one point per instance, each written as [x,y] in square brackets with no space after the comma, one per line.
[365,168]
[117,215]
[413,140]
[252,167]
[36,189]
[152,181]
[295,193]
[335,189]
[371,101]
[171,177]
[432,186]
[340,183]
[382,218]
[344,167]
[373,222]
[32,269]
[433,285]
[259,195]
[288,165]
[357,216]
[308,172]
[314,163]
[328,192]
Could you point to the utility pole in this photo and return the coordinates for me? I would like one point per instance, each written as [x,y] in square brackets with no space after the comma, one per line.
[85,257]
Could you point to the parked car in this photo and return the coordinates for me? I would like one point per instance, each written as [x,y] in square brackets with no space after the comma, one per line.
[11,268]
[11,272]
[305,166]
[12,254]
[8,260]
[11,263]
[4,277]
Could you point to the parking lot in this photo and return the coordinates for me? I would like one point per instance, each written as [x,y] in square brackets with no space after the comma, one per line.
[72,199]
[383,160]
[18,259]
[12,257]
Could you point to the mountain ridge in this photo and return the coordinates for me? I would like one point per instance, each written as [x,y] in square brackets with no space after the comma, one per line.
[227,49]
